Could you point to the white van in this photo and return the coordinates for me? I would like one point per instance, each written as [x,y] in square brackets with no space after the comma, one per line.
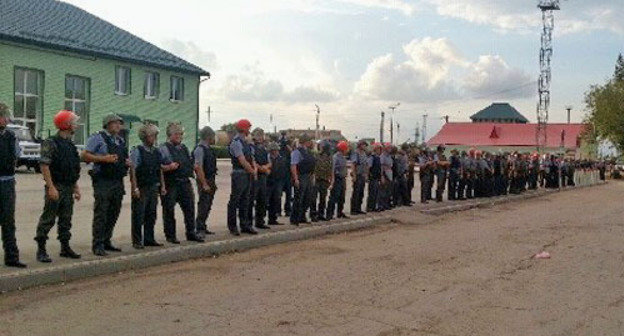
[31,150]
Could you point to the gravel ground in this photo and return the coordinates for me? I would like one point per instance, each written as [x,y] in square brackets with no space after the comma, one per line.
[468,273]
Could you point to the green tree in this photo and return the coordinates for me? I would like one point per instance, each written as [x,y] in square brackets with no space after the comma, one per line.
[605,107]
[229,128]
[619,69]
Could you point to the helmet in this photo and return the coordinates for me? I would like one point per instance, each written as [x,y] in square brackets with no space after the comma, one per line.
[206,133]
[146,130]
[64,119]
[342,146]
[387,145]
[376,145]
[304,138]
[273,146]
[257,131]
[478,152]
[174,128]
[243,125]
[5,112]
[111,118]
[472,151]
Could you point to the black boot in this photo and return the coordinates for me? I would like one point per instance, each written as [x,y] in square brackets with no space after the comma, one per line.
[42,254]
[67,252]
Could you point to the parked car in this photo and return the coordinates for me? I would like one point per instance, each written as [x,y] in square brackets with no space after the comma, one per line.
[31,150]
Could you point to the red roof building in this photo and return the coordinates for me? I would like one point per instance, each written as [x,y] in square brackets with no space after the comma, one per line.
[494,136]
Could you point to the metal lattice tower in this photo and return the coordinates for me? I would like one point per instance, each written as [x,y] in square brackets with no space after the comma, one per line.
[548,19]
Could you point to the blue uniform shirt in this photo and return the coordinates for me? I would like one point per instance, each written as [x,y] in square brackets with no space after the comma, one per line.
[18,152]
[97,146]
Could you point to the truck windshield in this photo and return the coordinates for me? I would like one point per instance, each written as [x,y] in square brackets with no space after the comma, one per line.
[22,134]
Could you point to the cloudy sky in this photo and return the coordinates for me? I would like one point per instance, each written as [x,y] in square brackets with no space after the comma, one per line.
[354,58]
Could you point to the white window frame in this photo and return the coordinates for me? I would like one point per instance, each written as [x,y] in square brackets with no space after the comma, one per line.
[121,78]
[152,89]
[174,82]
[22,92]
[82,121]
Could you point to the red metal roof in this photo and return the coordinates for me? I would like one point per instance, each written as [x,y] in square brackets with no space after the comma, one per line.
[495,134]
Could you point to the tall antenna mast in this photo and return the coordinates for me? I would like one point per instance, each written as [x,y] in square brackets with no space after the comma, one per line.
[548,20]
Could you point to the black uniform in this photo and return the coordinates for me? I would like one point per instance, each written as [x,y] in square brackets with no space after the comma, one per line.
[374,179]
[241,186]
[7,195]
[275,185]
[454,178]
[147,174]
[180,191]
[61,155]
[108,191]
[303,194]
[258,191]
[206,198]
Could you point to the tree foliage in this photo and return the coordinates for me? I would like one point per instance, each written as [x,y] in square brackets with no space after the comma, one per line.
[231,127]
[605,107]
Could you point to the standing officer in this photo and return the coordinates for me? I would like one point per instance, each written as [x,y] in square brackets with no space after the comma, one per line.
[243,172]
[455,173]
[302,164]
[387,178]
[402,163]
[178,171]
[109,155]
[339,185]
[9,152]
[285,151]
[374,164]
[275,181]
[60,167]
[359,175]
[206,171]
[259,186]
[425,164]
[147,182]
[440,172]
[323,179]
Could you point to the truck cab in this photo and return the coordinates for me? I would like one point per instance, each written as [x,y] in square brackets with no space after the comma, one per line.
[30,149]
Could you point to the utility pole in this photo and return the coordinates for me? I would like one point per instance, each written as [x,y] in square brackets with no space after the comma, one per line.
[392,107]
[416,133]
[569,109]
[318,114]
[424,127]
[398,132]
[381,127]
[208,112]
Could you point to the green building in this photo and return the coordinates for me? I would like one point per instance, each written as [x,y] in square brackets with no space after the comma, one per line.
[56,56]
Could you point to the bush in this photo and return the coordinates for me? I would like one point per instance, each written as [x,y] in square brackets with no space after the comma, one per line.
[221,152]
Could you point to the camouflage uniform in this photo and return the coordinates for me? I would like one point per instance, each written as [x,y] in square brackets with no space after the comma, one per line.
[322,174]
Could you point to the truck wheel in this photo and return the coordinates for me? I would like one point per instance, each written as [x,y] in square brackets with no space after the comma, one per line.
[37,169]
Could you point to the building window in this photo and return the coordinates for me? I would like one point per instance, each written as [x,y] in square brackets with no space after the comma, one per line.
[77,100]
[177,88]
[122,81]
[28,103]
[152,85]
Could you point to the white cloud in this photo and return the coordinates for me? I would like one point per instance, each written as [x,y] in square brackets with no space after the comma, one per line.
[252,85]
[403,6]
[191,52]
[492,76]
[523,16]
[426,75]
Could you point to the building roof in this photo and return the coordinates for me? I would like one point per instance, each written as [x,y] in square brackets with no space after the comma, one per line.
[498,111]
[496,134]
[57,25]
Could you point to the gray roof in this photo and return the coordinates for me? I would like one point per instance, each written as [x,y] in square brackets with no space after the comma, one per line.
[61,26]
[500,111]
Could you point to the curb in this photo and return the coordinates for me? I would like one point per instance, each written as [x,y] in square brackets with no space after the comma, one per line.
[61,274]
[33,278]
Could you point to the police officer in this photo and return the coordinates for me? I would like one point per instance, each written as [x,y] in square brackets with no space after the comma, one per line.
[441,167]
[205,161]
[455,173]
[339,185]
[471,173]
[275,181]
[147,181]
[259,186]
[178,171]
[359,175]
[426,164]
[463,180]
[285,151]
[387,178]
[374,166]
[323,179]
[109,155]
[402,163]
[243,172]
[302,164]
[60,167]
[9,152]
